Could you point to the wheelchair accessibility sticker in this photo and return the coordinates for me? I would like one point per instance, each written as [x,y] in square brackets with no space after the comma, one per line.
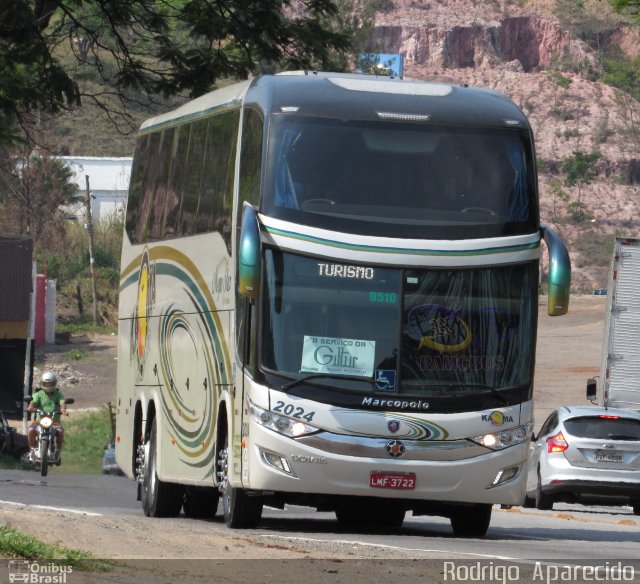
[385,380]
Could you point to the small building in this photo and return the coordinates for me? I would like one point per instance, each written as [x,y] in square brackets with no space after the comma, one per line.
[108,183]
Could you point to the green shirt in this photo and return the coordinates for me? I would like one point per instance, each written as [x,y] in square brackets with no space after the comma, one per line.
[41,400]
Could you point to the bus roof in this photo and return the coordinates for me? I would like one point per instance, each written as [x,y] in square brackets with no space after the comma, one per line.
[357,96]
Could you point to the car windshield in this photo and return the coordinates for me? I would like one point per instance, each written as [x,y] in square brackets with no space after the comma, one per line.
[396,179]
[604,427]
[429,333]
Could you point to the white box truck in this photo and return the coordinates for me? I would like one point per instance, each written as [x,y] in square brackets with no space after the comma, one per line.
[620,368]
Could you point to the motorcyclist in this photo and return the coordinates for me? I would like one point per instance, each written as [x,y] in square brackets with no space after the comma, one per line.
[48,399]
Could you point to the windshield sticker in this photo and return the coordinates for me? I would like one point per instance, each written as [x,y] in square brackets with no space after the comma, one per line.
[384,297]
[461,363]
[439,328]
[385,380]
[342,271]
[338,356]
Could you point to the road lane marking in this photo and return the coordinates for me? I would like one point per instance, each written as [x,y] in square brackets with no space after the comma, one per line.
[392,547]
[50,508]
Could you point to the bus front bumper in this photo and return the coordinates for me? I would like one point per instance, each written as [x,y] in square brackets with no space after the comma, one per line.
[459,471]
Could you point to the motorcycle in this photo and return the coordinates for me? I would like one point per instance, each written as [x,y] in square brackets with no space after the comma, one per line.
[46,451]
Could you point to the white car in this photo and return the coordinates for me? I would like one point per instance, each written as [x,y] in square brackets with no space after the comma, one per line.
[586,454]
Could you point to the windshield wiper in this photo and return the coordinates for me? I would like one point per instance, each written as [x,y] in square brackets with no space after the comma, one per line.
[493,390]
[292,384]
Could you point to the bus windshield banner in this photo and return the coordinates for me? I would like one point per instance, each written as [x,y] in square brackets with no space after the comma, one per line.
[338,356]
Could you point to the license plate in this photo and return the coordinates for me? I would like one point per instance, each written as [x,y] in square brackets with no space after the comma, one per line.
[392,480]
[604,456]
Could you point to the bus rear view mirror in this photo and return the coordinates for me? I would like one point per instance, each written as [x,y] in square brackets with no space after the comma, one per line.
[249,254]
[559,273]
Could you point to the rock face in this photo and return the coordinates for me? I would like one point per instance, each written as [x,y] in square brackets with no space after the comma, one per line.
[531,41]
[523,50]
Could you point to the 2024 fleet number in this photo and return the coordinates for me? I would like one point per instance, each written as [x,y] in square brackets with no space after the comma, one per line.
[295,412]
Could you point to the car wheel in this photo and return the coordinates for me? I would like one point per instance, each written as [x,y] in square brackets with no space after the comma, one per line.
[543,502]
[471,521]
[529,502]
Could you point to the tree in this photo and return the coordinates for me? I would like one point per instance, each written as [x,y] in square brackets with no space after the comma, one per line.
[153,47]
[32,189]
[580,169]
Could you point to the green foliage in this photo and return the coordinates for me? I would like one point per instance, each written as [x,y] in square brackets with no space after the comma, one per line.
[156,48]
[580,168]
[76,354]
[16,544]
[86,326]
[578,212]
[623,74]
[629,7]
[85,437]
[559,80]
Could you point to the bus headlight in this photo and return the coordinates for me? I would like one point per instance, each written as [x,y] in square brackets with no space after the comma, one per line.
[505,438]
[279,423]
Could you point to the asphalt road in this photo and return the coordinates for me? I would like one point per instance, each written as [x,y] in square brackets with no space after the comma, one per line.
[569,532]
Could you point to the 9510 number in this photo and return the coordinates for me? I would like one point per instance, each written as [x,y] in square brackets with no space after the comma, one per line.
[383,297]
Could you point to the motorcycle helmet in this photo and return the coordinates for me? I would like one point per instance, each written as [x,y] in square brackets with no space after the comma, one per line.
[48,381]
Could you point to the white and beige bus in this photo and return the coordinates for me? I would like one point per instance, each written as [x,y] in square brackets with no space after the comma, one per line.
[329,297]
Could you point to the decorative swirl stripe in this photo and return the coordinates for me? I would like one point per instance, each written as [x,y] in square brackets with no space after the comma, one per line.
[418,429]
[192,432]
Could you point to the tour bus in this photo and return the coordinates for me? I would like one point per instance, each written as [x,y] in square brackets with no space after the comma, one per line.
[329,297]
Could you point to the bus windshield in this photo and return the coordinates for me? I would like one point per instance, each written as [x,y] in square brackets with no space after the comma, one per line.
[396,179]
[428,333]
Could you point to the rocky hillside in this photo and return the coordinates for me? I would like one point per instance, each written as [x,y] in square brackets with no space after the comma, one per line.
[533,52]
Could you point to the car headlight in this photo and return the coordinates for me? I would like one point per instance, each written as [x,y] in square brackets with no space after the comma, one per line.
[505,438]
[282,424]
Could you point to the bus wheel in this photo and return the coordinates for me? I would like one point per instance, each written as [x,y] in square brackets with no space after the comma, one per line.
[471,521]
[241,511]
[159,499]
[201,503]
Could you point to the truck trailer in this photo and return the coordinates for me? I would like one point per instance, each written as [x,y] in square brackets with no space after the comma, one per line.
[620,367]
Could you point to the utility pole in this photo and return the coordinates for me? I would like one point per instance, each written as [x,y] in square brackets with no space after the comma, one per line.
[92,260]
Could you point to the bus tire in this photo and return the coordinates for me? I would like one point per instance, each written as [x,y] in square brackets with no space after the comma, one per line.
[471,521]
[159,499]
[201,502]
[240,510]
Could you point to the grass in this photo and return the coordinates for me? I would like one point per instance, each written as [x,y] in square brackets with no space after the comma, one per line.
[85,437]
[16,544]
[85,327]
[76,354]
